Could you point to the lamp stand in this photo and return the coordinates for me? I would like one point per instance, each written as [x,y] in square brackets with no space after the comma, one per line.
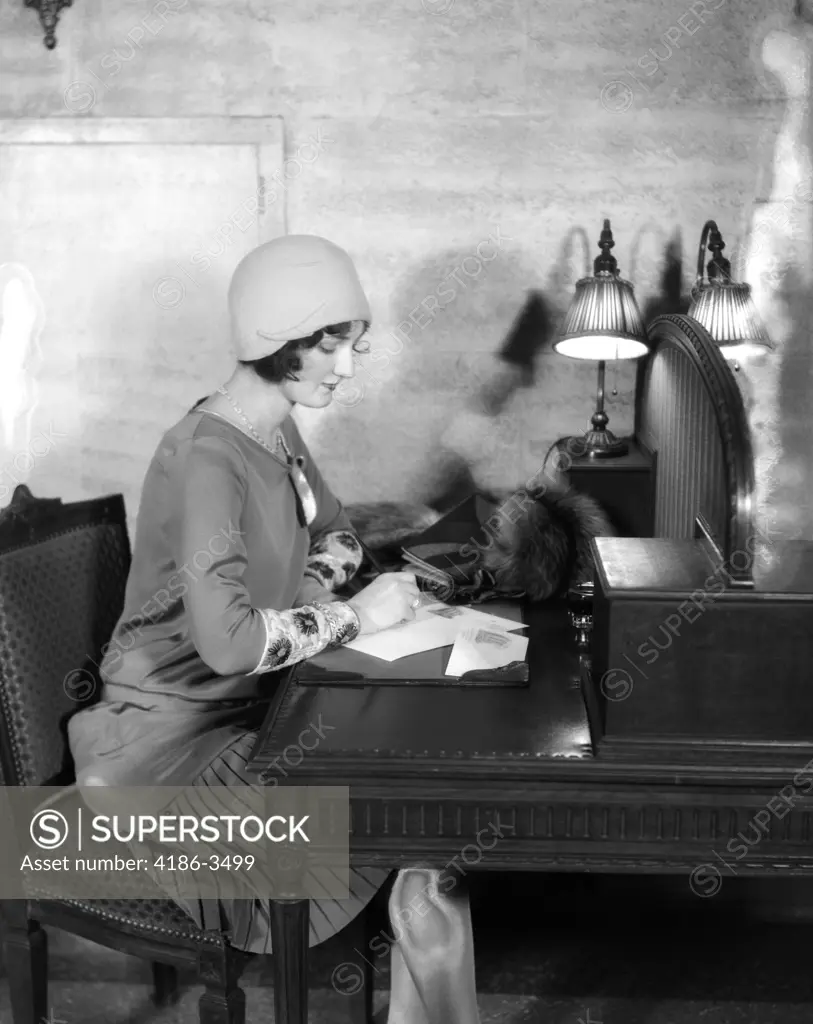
[601,443]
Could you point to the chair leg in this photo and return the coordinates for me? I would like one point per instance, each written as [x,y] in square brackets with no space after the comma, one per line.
[364,956]
[223,1001]
[25,952]
[165,984]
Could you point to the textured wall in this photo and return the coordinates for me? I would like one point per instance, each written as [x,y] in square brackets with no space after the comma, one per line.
[513,126]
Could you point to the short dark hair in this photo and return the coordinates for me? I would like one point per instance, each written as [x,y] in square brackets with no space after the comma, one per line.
[286,362]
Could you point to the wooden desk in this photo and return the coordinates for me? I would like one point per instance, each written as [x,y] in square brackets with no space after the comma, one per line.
[520,780]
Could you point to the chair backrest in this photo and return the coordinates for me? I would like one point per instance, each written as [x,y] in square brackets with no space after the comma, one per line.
[690,415]
[63,575]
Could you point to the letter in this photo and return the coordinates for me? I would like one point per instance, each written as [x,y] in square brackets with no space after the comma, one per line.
[449,291]
[126,59]
[237,213]
[101,831]
[291,160]
[699,598]
[632,76]
[209,833]
[423,909]
[448,879]
[112,664]
[217,554]
[187,827]
[322,140]
[202,568]
[763,820]
[301,152]
[672,622]
[25,455]
[202,260]
[153,31]
[783,807]
[685,608]
[649,661]
[655,642]
[499,239]
[39,455]
[414,320]
[154,615]
[136,34]
[718,585]
[651,63]
[695,5]
[757,834]
[321,728]
[482,843]
[685,27]
[378,357]
[788,793]
[161,4]
[472,847]
[477,263]
[52,433]
[296,750]
[230,819]
[456,278]
[672,34]
[399,345]
[736,850]
[116,64]
[173,583]
[718,5]
[379,950]
[485,259]
[4,492]
[404,324]
[302,742]
[226,231]
[656,56]
[430,298]
[298,828]
[740,568]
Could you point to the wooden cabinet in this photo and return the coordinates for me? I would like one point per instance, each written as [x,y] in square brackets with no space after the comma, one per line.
[624,487]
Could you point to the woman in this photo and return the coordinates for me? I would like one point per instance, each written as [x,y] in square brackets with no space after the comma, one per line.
[239,546]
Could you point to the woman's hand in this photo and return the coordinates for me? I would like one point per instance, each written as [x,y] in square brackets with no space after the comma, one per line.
[391,598]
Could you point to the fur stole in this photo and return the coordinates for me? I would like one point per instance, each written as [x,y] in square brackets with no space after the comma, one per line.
[539,546]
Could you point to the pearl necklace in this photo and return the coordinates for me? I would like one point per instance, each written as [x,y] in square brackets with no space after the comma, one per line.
[280,440]
[306,501]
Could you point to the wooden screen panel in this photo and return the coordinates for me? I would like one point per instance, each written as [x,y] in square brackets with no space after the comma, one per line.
[128,232]
[690,414]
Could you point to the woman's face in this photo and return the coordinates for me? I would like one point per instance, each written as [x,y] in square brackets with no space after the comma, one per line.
[323,368]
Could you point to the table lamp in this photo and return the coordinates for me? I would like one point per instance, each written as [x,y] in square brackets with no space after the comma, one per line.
[724,307]
[603,323]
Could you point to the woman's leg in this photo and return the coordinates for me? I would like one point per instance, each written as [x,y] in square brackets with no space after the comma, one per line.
[433,979]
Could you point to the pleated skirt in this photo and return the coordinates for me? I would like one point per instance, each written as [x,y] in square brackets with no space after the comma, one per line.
[247,922]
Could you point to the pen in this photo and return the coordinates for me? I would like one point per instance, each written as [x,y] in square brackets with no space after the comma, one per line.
[370,556]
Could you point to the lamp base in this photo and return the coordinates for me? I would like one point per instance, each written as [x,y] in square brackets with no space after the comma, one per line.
[603,444]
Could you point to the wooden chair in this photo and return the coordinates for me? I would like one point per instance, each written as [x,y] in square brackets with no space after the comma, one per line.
[63,572]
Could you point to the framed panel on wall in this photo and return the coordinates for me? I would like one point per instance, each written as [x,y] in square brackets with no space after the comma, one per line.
[118,238]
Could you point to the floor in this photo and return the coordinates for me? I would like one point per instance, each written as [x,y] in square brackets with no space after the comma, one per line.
[578,949]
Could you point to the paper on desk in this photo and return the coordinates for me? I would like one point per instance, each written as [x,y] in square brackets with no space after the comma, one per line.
[435,625]
[477,648]
[408,638]
[465,616]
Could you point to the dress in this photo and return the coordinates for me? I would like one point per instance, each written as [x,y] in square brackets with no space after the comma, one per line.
[228,585]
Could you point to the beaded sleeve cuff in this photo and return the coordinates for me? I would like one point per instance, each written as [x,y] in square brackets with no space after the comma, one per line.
[334,558]
[299,633]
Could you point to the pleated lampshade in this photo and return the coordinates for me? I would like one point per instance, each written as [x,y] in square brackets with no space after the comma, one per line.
[603,322]
[724,307]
